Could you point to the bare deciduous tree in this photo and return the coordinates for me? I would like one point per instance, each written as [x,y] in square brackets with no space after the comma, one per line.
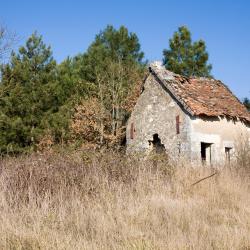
[102,119]
[7,41]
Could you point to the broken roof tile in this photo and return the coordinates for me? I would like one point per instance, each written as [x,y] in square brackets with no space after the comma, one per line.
[201,96]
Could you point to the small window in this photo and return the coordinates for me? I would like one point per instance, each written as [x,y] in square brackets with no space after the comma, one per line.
[177,124]
[132,131]
[228,154]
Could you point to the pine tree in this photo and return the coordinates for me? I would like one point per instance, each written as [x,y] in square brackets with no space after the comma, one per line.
[26,95]
[186,57]
[110,45]
[246,102]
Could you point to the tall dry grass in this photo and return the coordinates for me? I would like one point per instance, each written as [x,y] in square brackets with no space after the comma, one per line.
[109,201]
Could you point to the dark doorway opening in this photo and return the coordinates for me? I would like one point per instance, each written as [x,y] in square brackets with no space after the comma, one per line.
[157,145]
[228,154]
[206,152]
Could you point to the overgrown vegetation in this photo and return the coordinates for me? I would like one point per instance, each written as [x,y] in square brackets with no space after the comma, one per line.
[108,201]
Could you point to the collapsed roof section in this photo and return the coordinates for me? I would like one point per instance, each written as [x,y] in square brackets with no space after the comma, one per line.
[201,96]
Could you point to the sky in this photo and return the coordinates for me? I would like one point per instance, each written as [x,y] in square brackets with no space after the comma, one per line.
[69,26]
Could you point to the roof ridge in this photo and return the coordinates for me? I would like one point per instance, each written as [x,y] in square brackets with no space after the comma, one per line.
[210,101]
[170,89]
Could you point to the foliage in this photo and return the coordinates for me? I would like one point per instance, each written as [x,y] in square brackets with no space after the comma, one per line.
[101,119]
[186,57]
[71,82]
[31,98]
[246,102]
[38,97]
[110,45]
[113,63]
[87,122]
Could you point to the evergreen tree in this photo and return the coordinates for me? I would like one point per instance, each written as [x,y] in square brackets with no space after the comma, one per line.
[26,95]
[110,45]
[69,89]
[246,102]
[71,83]
[186,57]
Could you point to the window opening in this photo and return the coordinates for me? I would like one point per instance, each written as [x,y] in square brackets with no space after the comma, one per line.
[228,154]
[206,155]
[157,145]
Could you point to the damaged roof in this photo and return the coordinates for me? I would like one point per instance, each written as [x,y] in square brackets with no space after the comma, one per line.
[201,96]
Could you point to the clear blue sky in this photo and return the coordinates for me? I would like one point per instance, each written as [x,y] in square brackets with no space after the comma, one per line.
[69,26]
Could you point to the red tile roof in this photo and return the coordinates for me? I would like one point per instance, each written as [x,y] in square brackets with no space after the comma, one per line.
[201,96]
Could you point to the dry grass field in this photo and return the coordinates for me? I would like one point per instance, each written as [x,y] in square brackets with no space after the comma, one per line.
[107,201]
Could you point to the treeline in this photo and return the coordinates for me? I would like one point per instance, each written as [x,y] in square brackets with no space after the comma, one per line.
[86,99]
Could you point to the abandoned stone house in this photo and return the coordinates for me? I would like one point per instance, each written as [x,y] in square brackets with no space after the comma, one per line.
[196,118]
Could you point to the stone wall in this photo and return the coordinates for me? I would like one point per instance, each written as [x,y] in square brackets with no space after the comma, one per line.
[155,113]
